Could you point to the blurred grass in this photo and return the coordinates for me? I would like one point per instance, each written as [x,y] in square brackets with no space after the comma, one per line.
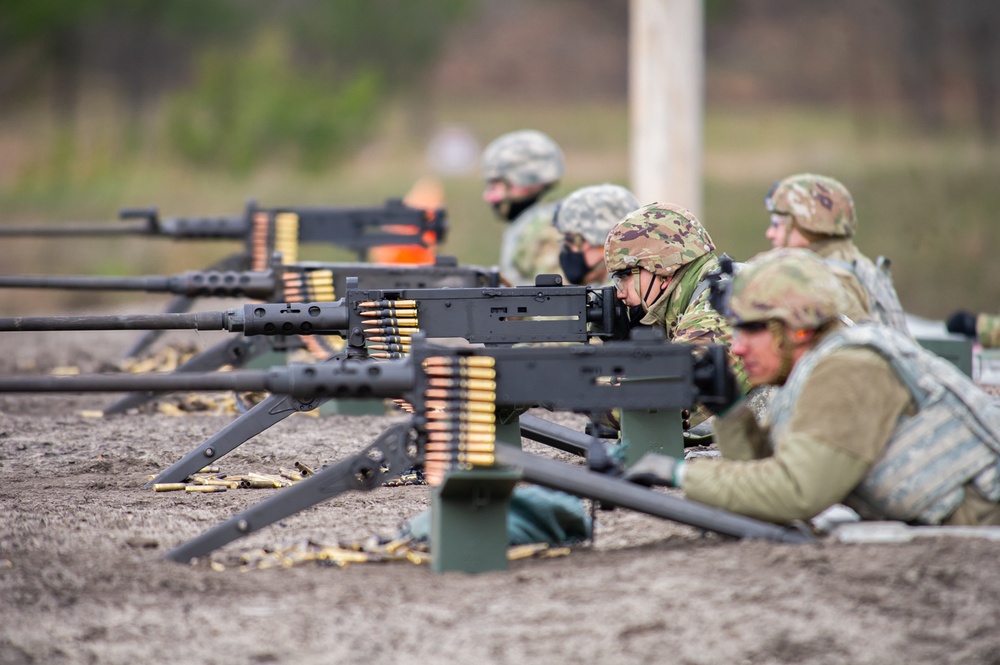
[929,203]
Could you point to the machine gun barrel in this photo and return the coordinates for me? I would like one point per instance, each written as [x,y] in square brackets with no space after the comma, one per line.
[255,285]
[347,378]
[76,229]
[223,320]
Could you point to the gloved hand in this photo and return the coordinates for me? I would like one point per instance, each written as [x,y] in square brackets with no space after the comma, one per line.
[654,469]
[963,323]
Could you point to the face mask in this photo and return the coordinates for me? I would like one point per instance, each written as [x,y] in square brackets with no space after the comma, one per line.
[508,210]
[574,265]
[635,315]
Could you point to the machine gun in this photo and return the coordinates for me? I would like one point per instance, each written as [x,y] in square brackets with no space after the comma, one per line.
[454,395]
[491,316]
[299,282]
[265,231]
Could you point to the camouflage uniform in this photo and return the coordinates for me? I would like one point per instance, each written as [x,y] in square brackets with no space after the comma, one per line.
[822,210]
[530,245]
[669,241]
[988,330]
[839,414]
[590,213]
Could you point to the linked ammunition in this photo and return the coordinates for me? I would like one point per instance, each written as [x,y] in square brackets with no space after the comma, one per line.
[391,330]
[390,339]
[465,437]
[464,361]
[398,323]
[399,304]
[459,405]
[390,313]
[470,458]
[461,394]
[394,348]
[461,417]
[384,355]
[462,372]
[441,426]
[471,384]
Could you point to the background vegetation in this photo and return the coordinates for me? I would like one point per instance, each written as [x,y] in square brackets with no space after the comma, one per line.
[196,107]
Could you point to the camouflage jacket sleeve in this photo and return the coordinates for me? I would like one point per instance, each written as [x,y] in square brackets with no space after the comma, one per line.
[842,421]
[701,324]
[531,246]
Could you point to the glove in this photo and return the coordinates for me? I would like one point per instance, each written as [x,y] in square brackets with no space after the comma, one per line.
[963,323]
[653,469]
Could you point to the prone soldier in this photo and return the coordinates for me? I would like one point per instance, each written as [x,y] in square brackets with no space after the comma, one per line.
[863,416]
[585,218]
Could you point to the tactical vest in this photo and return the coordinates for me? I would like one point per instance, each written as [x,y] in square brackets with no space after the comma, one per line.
[877,281]
[952,440]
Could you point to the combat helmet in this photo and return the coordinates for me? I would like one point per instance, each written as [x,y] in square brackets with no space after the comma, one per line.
[816,203]
[792,285]
[660,237]
[591,212]
[523,158]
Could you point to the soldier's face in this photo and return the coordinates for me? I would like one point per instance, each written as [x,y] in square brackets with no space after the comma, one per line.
[632,286]
[756,345]
[782,233]
[500,190]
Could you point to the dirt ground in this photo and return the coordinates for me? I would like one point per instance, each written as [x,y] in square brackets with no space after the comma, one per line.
[83,578]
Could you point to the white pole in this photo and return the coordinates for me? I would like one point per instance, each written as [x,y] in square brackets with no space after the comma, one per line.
[666,101]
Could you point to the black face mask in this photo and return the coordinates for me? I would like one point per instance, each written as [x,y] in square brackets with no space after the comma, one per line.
[635,315]
[508,210]
[574,265]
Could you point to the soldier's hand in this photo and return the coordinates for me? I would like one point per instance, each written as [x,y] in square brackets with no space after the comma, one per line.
[653,469]
[963,323]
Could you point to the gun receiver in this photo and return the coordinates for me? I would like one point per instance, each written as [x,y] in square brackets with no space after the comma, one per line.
[354,228]
[492,316]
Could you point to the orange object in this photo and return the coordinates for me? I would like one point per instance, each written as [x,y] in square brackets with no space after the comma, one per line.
[428,194]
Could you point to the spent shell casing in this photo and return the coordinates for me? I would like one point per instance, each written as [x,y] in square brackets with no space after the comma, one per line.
[260,483]
[471,384]
[168,487]
[396,322]
[399,304]
[303,469]
[204,488]
[211,468]
[461,394]
[290,474]
[461,405]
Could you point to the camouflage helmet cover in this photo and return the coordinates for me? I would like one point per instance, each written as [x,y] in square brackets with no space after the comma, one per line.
[793,285]
[592,212]
[523,158]
[817,203]
[660,237]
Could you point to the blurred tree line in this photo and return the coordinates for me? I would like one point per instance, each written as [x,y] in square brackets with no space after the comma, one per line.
[239,78]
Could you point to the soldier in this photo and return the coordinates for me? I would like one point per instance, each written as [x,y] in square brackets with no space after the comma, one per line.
[984,328]
[660,257]
[864,416]
[519,169]
[585,218]
[817,212]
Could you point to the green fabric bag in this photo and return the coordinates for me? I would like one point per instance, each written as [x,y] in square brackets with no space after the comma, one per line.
[536,515]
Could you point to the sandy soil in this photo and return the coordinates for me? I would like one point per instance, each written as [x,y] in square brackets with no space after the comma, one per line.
[83,578]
